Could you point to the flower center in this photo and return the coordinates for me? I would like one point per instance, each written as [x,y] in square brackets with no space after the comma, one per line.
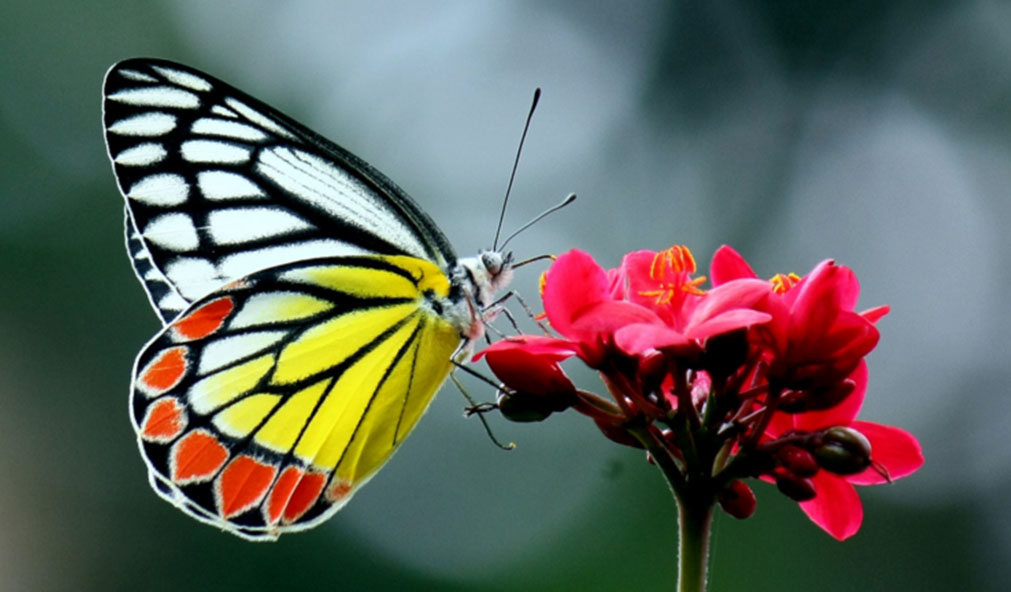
[672,271]
[783,283]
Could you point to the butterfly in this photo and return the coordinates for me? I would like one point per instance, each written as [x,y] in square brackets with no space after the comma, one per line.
[310,308]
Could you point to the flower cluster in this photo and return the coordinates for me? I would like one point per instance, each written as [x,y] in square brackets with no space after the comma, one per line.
[749,378]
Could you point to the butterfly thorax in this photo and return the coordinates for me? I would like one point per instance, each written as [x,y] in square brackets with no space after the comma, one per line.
[475,282]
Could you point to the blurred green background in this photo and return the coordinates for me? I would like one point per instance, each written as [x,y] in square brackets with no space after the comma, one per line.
[875,133]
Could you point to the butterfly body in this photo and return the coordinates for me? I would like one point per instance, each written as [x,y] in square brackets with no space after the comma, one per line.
[310,308]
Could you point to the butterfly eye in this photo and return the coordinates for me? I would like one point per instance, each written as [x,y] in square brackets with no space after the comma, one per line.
[493,262]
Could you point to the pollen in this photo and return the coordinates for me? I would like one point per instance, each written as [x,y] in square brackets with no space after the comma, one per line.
[783,283]
[672,269]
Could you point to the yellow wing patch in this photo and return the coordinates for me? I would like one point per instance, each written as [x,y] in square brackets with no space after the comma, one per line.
[335,341]
[285,426]
[401,400]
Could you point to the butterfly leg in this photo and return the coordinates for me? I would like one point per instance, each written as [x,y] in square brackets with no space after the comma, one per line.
[480,410]
[498,306]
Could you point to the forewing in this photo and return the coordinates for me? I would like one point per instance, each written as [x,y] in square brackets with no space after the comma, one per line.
[219,185]
[266,404]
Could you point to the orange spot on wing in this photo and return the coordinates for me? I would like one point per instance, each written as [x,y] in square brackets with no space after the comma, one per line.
[197,457]
[304,496]
[338,491]
[243,484]
[205,320]
[164,420]
[281,493]
[164,372]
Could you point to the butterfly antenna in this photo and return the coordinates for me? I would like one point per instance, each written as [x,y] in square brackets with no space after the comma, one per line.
[512,176]
[571,198]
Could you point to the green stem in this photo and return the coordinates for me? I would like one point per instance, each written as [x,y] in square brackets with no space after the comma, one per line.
[695,515]
[695,520]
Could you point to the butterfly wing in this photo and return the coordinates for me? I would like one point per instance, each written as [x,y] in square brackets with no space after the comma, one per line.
[267,403]
[219,185]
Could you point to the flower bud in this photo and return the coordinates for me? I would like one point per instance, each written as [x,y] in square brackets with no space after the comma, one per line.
[799,489]
[798,461]
[738,500]
[523,407]
[843,451]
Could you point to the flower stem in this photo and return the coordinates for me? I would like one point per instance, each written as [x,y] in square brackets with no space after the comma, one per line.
[695,520]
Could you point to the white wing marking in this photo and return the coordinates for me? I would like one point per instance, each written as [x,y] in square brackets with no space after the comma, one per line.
[138,76]
[173,231]
[193,276]
[258,118]
[276,307]
[173,302]
[209,126]
[153,123]
[223,185]
[222,352]
[144,154]
[223,111]
[157,96]
[160,190]
[190,81]
[245,263]
[230,226]
[339,194]
[214,151]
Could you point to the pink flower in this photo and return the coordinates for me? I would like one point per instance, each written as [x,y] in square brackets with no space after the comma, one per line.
[894,453]
[814,338]
[751,378]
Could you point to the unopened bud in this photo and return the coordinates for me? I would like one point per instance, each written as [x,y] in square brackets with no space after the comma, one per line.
[522,407]
[843,451]
[799,489]
[738,500]
[798,461]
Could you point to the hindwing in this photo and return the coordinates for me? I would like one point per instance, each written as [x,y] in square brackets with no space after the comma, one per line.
[267,403]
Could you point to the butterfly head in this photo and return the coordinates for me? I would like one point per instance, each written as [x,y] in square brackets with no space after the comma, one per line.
[476,280]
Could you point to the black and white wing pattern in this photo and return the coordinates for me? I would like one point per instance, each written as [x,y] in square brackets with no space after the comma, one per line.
[219,185]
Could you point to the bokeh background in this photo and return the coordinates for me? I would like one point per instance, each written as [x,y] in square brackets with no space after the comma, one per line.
[875,133]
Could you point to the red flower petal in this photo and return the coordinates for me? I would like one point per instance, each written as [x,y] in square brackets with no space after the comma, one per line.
[836,508]
[728,265]
[874,315]
[735,295]
[639,338]
[526,372]
[574,283]
[895,449]
[551,347]
[726,322]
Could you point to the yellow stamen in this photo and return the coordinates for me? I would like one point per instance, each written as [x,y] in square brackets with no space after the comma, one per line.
[782,283]
[678,262]
[678,258]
